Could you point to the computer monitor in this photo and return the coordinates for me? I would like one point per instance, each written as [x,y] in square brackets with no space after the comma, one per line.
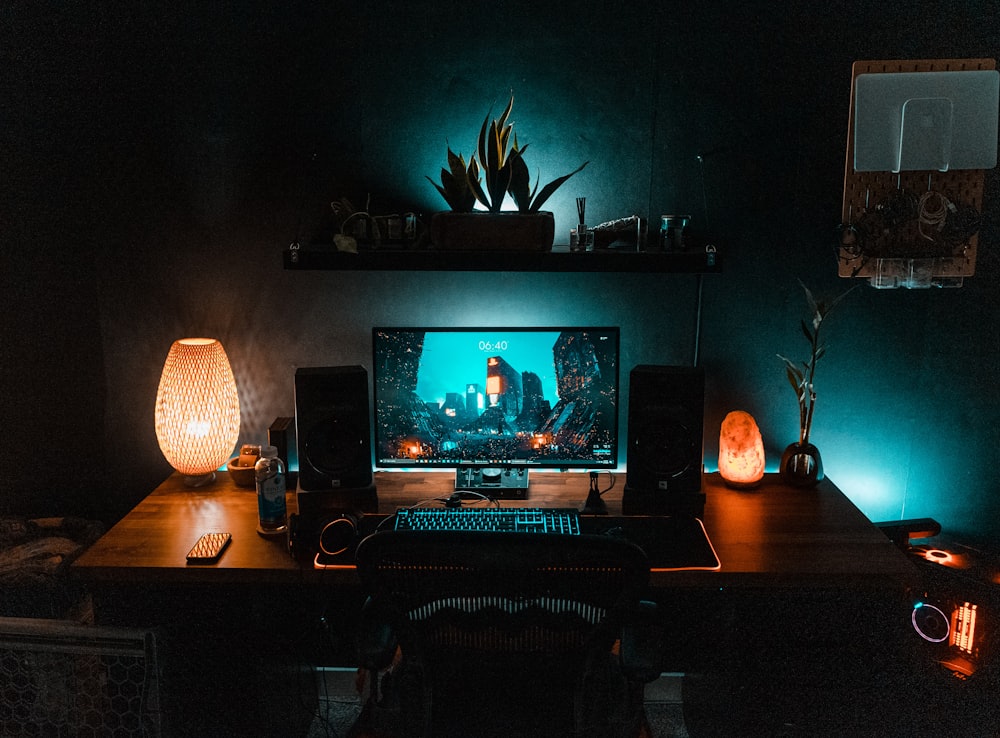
[494,402]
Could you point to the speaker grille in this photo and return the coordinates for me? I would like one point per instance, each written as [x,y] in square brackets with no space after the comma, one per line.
[332,428]
[668,450]
[333,447]
[665,429]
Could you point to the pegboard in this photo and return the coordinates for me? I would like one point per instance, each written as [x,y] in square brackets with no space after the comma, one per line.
[876,229]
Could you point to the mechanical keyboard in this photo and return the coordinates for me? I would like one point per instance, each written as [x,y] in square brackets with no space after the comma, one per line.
[565,521]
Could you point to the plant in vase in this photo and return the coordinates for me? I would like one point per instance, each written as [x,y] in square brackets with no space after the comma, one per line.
[496,169]
[801,463]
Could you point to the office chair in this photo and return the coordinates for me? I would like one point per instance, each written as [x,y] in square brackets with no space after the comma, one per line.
[507,633]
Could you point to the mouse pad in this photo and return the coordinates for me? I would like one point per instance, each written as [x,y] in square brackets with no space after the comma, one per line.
[672,543]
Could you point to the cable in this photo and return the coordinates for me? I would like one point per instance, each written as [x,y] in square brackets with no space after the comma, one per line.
[595,504]
[961,225]
[480,495]
[455,500]
[697,322]
[655,97]
[296,239]
[696,358]
[932,211]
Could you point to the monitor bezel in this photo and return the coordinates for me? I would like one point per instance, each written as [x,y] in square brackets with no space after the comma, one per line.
[562,464]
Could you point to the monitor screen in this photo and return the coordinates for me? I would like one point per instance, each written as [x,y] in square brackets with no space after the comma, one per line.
[496,397]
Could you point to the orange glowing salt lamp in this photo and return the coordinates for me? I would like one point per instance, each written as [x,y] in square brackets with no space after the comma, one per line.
[741,451]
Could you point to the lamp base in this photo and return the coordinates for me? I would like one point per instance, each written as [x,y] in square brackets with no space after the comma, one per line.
[199,480]
[741,485]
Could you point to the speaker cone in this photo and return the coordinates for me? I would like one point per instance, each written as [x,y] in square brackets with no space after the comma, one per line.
[332,448]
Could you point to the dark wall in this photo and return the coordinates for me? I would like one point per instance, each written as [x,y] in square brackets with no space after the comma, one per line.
[162,159]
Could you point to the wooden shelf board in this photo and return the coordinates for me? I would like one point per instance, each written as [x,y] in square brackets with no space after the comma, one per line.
[319,259]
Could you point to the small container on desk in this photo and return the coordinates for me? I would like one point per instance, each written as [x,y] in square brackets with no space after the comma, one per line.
[270,477]
[581,238]
[672,232]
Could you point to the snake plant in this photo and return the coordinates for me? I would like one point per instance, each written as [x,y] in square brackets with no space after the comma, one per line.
[494,170]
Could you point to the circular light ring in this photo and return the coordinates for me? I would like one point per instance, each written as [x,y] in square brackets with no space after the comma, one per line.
[337,535]
[943,557]
[938,555]
[920,624]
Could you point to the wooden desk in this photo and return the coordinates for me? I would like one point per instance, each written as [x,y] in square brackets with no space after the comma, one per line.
[805,576]
[773,536]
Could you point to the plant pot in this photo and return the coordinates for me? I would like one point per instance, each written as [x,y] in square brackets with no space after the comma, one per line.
[482,231]
[801,465]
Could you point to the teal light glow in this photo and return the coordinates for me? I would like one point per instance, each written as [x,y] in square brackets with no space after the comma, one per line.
[858,426]
[876,493]
[508,204]
[415,148]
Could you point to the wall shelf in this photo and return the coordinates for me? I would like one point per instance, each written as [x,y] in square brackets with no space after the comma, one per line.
[557,260]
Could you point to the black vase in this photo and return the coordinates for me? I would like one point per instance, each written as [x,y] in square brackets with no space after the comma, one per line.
[801,465]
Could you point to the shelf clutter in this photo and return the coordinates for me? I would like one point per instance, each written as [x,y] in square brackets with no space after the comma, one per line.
[913,196]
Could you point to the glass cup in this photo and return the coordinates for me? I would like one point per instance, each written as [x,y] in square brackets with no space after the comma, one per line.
[581,238]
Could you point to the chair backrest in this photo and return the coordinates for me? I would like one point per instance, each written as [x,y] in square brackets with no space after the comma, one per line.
[515,621]
[501,592]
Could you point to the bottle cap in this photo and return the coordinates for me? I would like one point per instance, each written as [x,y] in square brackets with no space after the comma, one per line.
[269,452]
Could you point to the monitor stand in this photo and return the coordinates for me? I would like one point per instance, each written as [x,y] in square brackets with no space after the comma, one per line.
[509,483]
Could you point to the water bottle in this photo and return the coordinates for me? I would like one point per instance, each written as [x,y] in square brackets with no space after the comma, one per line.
[269,472]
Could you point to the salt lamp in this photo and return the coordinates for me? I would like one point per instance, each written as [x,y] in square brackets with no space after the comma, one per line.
[741,451]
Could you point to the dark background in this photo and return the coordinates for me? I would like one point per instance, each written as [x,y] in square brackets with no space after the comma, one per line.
[156,162]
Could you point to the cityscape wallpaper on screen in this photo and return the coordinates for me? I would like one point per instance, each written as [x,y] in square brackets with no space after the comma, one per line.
[496,397]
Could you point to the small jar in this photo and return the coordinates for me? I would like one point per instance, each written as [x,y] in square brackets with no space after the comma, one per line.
[581,238]
[672,232]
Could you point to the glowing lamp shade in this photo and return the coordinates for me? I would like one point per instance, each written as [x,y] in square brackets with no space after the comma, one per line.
[741,451]
[197,409]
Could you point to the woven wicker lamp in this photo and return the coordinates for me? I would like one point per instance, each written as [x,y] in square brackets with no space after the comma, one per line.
[197,409]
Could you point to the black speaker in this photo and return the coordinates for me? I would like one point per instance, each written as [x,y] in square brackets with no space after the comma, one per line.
[666,410]
[281,435]
[334,440]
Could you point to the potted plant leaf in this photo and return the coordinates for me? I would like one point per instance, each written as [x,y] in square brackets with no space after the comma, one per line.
[801,464]
[497,168]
